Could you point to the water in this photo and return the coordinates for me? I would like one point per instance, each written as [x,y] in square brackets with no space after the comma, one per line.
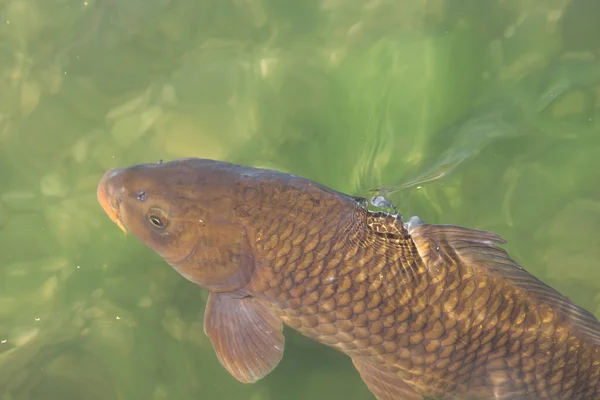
[483,114]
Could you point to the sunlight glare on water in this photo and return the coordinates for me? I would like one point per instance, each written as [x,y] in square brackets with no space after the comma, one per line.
[481,114]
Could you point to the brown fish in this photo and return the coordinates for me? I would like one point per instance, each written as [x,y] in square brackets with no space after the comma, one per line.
[424,311]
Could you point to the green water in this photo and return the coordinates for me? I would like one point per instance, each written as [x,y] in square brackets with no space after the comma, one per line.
[479,113]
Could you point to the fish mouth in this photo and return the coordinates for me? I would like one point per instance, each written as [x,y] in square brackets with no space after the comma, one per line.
[109,201]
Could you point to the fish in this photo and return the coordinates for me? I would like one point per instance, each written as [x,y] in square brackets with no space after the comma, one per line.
[424,311]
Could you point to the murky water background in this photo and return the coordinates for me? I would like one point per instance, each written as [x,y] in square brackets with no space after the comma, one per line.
[483,114]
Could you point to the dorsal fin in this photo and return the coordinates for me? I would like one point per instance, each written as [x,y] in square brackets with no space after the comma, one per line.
[480,248]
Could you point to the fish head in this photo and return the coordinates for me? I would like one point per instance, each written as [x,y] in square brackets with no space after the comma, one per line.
[184,211]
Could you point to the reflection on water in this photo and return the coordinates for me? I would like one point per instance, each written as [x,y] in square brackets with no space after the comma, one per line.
[469,138]
[482,114]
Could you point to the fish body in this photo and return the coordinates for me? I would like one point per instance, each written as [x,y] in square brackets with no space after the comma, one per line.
[423,311]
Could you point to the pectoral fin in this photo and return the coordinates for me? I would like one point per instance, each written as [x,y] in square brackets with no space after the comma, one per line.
[383,385]
[246,335]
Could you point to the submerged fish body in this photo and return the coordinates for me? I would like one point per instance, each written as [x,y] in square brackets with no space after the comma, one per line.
[424,311]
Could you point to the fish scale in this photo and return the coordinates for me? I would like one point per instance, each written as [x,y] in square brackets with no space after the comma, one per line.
[430,289]
[435,311]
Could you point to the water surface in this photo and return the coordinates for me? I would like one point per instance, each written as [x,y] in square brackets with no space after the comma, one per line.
[483,114]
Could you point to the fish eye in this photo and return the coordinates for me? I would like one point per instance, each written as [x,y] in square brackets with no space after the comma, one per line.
[157,218]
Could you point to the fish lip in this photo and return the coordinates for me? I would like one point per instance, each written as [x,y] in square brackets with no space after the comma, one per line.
[107,199]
